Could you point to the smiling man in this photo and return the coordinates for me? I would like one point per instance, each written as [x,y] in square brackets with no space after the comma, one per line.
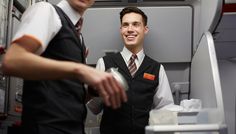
[148,84]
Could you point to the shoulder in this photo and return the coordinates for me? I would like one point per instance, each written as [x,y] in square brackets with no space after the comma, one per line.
[42,5]
[111,56]
[151,60]
[39,9]
[43,13]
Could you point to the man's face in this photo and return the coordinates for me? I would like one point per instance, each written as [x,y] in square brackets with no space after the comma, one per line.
[81,5]
[133,30]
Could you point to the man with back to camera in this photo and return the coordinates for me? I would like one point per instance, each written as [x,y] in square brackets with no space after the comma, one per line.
[48,53]
[148,84]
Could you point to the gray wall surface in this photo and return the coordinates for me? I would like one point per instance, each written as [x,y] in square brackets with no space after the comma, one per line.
[228,77]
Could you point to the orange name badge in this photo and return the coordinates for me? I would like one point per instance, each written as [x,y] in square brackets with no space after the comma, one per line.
[149,76]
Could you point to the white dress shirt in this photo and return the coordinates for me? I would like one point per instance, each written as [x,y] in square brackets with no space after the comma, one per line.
[163,96]
[41,22]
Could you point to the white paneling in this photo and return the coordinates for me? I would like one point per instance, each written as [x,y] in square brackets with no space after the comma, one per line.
[3,21]
[206,16]
[205,79]
[210,14]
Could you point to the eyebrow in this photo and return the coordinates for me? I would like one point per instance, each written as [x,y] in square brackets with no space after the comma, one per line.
[131,22]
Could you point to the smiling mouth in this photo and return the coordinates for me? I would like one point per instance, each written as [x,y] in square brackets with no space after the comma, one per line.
[130,37]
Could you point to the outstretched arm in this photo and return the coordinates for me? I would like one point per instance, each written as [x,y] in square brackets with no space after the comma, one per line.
[20,60]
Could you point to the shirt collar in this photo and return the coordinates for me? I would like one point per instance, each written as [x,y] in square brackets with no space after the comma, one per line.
[126,54]
[69,11]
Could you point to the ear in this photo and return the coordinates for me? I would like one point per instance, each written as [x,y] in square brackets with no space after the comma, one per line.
[146,29]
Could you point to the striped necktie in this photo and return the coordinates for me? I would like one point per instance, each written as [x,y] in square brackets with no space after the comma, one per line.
[132,66]
[78,27]
[79,24]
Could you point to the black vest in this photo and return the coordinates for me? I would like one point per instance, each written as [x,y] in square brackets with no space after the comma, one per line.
[133,116]
[58,104]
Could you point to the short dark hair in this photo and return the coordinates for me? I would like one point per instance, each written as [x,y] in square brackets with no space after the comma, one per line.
[133,9]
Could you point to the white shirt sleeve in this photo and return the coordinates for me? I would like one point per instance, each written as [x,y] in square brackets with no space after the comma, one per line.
[163,96]
[100,64]
[40,22]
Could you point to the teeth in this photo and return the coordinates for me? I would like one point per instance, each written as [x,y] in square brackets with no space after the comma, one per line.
[130,36]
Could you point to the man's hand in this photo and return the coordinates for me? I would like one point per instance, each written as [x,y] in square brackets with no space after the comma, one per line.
[105,84]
